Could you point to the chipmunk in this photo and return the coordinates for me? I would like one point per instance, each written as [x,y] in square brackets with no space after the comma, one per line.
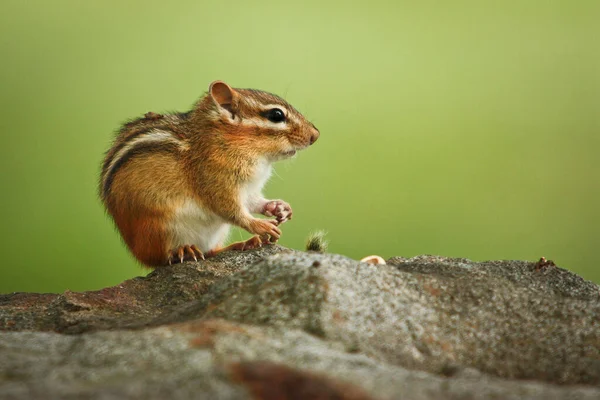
[175,183]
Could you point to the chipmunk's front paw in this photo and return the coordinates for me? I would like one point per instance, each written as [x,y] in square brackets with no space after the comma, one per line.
[185,253]
[267,229]
[278,209]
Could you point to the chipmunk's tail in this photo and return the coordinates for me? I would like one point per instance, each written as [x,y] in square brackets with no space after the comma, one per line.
[316,242]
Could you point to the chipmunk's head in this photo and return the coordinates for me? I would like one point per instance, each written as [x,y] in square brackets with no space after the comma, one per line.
[260,121]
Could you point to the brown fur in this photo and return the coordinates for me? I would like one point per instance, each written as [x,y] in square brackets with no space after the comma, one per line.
[211,152]
[141,215]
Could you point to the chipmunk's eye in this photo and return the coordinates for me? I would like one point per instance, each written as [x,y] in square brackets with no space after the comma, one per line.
[274,115]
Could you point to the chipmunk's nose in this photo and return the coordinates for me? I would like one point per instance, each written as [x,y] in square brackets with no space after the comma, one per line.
[314,135]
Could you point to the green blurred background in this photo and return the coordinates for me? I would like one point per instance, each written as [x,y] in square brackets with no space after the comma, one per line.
[464,128]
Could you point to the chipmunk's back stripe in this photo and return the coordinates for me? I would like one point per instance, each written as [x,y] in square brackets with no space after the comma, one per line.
[127,139]
[149,142]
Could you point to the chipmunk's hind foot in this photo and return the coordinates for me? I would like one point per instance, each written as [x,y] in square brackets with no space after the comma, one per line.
[253,243]
[185,253]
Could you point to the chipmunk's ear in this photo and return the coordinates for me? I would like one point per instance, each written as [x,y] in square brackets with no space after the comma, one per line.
[223,94]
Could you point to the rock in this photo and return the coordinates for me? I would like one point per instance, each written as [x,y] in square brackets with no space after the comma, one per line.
[132,302]
[280,324]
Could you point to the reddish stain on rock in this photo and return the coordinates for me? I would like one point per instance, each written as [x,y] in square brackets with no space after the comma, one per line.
[271,381]
[206,330]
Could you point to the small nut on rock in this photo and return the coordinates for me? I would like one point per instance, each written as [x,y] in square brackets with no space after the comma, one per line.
[375,260]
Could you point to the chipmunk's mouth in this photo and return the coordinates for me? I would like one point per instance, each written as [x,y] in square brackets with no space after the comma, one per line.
[283,155]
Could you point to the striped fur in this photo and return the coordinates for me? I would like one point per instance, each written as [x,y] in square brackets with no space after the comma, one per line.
[152,140]
[131,129]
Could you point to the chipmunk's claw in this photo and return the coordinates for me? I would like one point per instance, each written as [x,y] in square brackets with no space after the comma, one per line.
[185,253]
[197,252]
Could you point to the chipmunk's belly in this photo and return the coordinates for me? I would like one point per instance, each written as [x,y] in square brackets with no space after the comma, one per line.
[192,224]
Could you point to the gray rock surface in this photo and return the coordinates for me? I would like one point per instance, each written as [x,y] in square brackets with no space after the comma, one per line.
[279,324]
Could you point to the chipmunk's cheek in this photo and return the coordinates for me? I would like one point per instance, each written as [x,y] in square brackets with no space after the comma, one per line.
[295,143]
